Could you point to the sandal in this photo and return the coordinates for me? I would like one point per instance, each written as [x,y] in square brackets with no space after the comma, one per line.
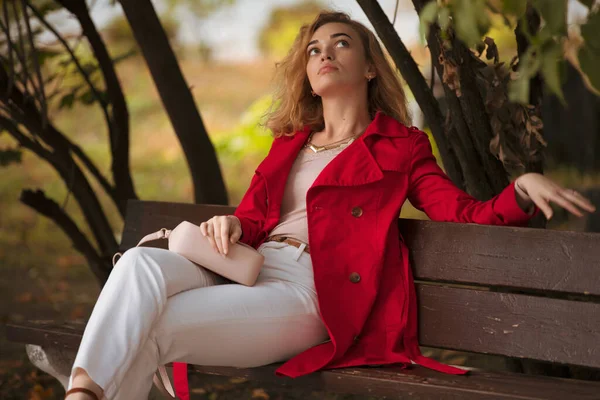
[81,390]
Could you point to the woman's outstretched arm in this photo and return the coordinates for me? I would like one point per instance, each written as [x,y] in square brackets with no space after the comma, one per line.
[431,191]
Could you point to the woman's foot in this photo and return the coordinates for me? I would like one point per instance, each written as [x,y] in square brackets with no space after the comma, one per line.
[78,393]
[83,387]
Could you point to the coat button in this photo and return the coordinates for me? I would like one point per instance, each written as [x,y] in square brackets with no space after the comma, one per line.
[357,212]
[356,338]
[354,277]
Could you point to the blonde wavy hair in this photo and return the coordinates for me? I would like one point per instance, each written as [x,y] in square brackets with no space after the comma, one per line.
[293,104]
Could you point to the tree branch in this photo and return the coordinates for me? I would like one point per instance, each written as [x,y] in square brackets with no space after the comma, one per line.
[17,115]
[119,122]
[68,169]
[480,162]
[38,201]
[38,72]
[415,80]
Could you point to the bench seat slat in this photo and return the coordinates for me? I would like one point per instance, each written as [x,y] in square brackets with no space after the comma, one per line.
[392,382]
[460,319]
[388,381]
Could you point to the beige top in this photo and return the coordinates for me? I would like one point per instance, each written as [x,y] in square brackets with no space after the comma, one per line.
[307,166]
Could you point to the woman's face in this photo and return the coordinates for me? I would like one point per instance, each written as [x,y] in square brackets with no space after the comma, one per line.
[336,60]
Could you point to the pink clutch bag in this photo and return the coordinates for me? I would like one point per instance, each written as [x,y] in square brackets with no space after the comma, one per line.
[242,264]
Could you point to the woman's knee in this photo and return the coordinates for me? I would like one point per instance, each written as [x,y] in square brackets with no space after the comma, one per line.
[137,260]
[132,255]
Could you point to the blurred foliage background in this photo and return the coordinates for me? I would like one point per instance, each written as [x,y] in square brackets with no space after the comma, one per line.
[42,275]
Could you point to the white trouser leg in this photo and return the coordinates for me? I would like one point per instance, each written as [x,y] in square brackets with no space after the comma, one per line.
[131,300]
[223,325]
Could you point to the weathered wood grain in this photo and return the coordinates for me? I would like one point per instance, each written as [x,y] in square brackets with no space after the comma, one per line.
[385,382]
[512,257]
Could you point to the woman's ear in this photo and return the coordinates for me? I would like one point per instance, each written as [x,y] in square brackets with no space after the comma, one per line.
[370,72]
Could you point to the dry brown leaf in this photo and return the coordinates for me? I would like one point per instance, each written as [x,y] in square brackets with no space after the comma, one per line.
[63,285]
[77,312]
[260,394]
[450,74]
[25,297]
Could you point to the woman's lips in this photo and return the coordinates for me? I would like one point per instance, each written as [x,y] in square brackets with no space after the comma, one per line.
[326,69]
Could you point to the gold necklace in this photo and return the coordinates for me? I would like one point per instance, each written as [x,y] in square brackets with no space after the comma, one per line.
[329,146]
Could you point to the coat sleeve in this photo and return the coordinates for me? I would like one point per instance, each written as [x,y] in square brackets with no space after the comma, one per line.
[431,191]
[252,211]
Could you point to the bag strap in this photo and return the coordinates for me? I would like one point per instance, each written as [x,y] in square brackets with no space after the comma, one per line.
[161,380]
[163,233]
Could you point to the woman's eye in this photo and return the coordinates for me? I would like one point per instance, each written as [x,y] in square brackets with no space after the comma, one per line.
[312,51]
[345,43]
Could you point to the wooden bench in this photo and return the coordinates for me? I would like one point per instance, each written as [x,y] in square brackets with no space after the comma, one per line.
[467,277]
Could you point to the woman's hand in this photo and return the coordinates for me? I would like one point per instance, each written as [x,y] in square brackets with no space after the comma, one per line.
[220,230]
[536,188]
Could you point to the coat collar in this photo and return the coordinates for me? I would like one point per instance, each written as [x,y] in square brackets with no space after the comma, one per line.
[355,165]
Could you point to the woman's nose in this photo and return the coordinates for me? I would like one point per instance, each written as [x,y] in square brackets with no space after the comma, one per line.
[326,55]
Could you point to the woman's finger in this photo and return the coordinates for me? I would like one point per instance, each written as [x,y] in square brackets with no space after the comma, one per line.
[235,236]
[217,234]
[542,205]
[211,238]
[225,235]
[558,198]
[203,228]
[578,199]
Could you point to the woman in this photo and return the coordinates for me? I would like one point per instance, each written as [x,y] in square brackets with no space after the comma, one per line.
[325,199]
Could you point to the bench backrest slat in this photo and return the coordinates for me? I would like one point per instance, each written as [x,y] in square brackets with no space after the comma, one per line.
[482,265]
[549,260]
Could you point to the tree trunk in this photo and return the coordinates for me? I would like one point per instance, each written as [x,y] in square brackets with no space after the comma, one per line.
[178,102]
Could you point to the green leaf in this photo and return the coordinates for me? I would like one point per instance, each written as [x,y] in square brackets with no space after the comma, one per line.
[87,97]
[427,17]
[550,61]
[46,54]
[529,64]
[471,20]
[10,156]
[554,13]
[515,7]
[90,67]
[47,7]
[518,90]
[590,31]
[67,101]
[444,18]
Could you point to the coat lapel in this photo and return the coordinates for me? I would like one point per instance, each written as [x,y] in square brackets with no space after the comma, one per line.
[355,165]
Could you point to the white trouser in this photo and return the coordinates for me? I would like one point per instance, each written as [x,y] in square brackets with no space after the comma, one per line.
[158,307]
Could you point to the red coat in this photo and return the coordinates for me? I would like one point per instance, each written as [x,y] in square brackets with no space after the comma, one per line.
[357,252]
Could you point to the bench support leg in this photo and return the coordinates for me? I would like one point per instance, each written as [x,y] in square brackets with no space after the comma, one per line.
[54,361]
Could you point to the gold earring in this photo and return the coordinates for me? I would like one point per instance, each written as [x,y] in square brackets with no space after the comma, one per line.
[313,93]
